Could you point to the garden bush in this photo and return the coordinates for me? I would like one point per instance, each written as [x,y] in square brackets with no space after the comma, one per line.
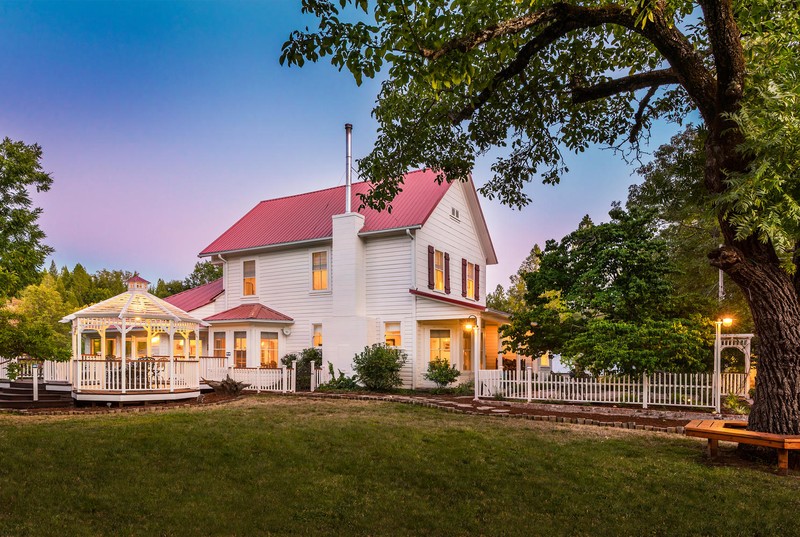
[378,367]
[342,383]
[442,373]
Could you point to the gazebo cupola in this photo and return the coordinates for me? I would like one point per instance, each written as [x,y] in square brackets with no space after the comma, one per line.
[137,283]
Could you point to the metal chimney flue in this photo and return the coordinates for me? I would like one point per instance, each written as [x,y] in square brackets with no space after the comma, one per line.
[348,129]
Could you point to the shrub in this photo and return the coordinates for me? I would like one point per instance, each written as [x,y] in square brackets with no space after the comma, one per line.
[442,373]
[304,361]
[378,367]
[340,383]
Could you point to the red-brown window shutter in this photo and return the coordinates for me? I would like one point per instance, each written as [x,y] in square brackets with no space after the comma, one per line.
[430,268]
[447,273]
[463,277]
[477,282]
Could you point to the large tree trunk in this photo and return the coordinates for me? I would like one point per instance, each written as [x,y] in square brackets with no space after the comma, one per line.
[771,294]
[775,306]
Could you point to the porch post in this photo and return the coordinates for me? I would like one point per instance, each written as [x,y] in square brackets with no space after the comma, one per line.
[476,359]
[149,341]
[77,342]
[171,357]
[122,354]
[103,343]
[197,356]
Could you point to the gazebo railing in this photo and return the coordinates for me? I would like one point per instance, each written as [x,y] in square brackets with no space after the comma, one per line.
[140,375]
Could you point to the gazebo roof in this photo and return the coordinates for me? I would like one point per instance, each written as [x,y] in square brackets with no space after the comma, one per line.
[135,303]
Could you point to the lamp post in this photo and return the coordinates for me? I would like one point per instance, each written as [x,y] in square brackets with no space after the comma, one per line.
[717,384]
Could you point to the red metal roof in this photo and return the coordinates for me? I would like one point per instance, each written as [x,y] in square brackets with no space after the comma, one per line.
[249,312]
[136,279]
[196,297]
[308,216]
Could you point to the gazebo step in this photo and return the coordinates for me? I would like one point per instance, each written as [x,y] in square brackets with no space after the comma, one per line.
[28,396]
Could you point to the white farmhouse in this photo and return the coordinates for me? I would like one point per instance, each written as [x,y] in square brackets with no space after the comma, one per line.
[304,271]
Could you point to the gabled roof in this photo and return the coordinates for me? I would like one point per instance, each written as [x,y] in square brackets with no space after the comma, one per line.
[197,297]
[250,312]
[136,279]
[307,217]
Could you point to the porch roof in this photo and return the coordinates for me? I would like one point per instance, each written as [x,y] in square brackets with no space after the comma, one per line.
[250,312]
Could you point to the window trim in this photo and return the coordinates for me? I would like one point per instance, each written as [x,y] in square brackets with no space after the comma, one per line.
[261,348]
[321,335]
[429,349]
[254,294]
[311,289]
[399,332]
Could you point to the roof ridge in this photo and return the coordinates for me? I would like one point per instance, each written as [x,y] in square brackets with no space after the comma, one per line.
[329,188]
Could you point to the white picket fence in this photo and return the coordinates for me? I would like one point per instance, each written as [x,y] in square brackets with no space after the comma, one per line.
[262,379]
[667,389]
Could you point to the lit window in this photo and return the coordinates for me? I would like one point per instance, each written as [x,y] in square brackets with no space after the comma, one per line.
[440,345]
[240,349]
[219,344]
[471,280]
[316,340]
[249,281]
[180,347]
[392,334]
[438,269]
[319,270]
[269,349]
[96,346]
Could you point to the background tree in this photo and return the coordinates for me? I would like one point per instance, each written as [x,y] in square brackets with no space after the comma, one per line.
[539,77]
[602,289]
[204,272]
[22,253]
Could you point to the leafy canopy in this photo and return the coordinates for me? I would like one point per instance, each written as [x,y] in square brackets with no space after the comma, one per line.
[22,253]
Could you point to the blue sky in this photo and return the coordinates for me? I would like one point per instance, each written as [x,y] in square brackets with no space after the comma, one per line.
[164,122]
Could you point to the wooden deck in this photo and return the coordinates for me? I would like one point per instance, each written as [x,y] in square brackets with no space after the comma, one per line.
[131,396]
[736,431]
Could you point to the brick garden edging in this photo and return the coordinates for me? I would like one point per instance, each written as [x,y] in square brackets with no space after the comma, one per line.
[124,410]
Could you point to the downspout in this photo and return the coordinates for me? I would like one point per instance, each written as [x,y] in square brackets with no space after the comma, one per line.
[413,309]
[225,279]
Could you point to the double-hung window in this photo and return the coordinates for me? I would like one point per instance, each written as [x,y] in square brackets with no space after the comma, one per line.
[269,349]
[249,278]
[438,269]
[319,271]
[471,280]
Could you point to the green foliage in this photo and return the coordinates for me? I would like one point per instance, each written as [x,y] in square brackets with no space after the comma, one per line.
[204,272]
[603,298]
[673,189]
[378,367]
[442,373]
[22,253]
[341,383]
[680,345]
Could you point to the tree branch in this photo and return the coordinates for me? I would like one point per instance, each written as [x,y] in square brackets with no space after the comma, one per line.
[652,79]
[475,39]
[639,116]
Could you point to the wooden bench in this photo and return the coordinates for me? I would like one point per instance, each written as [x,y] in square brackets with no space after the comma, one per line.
[736,431]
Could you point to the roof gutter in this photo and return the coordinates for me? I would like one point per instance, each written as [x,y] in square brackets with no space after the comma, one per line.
[265,247]
[407,229]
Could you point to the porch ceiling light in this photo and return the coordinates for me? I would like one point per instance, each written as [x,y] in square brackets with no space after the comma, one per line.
[472,323]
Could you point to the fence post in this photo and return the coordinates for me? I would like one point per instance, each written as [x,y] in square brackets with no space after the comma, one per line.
[645,390]
[283,379]
[529,371]
[294,376]
[35,369]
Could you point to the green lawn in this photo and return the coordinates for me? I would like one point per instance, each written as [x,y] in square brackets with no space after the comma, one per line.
[280,465]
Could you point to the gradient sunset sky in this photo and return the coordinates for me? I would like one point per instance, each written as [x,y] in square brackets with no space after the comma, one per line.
[164,122]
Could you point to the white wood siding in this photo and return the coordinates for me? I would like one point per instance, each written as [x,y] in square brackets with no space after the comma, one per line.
[457,238]
[388,279]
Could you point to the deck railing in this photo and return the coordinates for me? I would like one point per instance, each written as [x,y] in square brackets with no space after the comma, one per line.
[139,375]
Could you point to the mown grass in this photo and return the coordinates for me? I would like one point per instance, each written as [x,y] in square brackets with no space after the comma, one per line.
[286,466]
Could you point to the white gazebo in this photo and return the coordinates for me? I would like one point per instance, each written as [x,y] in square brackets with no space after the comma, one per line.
[113,344]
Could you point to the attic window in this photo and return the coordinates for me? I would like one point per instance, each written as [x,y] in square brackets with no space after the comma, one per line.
[454,214]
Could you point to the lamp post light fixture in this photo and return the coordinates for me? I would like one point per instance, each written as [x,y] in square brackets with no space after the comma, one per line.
[472,323]
[717,384]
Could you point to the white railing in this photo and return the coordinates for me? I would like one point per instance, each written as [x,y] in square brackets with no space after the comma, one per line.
[140,375]
[57,371]
[734,384]
[213,367]
[318,377]
[262,379]
[668,389]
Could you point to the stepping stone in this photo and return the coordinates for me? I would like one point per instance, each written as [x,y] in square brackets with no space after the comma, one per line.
[462,405]
[464,397]
[485,408]
[500,411]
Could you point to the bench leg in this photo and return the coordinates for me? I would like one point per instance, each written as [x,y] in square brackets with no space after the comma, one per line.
[713,447]
[783,462]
